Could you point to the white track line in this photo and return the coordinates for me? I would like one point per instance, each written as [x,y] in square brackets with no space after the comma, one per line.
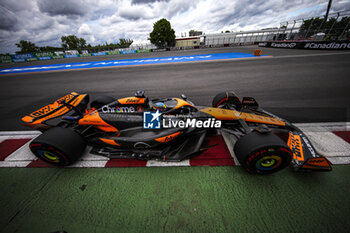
[20,133]
[327,143]
[329,126]
[84,163]
[14,163]
[21,154]
[156,163]
[229,143]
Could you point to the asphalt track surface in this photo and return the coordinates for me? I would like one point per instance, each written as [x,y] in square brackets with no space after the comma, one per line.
[299,85]
[183,199]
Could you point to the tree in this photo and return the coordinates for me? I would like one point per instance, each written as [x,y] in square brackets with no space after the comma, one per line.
[49,49]
[26,46]
[124,43]
[73,42]
[312,24]
[315,24]
[162,35]
[194,33]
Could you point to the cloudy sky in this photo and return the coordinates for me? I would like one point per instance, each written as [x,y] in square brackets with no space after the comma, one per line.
[45,21]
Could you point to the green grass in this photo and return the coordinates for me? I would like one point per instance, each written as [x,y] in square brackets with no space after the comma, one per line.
[173,199]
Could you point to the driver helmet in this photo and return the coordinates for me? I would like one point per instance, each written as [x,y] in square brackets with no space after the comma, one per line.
[159,106]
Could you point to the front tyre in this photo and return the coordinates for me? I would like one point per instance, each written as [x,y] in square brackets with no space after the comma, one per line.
[262,153]
[58,146]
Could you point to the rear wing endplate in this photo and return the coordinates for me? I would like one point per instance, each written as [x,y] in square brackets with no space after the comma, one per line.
[58,108]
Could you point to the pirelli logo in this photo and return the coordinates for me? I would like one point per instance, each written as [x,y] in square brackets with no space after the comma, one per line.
[294,143]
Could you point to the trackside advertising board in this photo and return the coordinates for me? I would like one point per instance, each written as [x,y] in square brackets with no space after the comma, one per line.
[331,45]
[85,55]
[22,57]
[99,54]
[113,52]
[5,59]
[128,51]
[143,50]
[71,55]
[44,55]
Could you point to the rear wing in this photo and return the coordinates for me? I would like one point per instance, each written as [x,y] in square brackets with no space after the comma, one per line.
[62,106]
[305,156]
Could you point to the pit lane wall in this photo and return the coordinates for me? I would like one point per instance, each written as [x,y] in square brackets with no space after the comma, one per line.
[325,45]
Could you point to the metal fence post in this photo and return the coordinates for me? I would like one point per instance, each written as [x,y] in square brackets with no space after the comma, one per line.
[285,29]
[341,35]
[319,28]
[291,30]
[305,35]
[330,30]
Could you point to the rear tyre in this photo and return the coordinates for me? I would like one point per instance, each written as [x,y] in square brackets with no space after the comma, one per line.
[101,100]
[228,100]
[262,153]
[58,146]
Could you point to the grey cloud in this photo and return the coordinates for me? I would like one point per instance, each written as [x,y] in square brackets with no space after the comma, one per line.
[50,19]
[340,6]
[63,7]
[103,13]
[179,9]
[18,5]
[8,19]
[131,15]
[248,13]
[169,10]
[136,13]
[147,1]
[42,24]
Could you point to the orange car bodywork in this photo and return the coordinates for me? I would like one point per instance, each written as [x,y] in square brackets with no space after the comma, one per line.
[93,118]
[168,138]
[37,119]
[226,114]
[132,100]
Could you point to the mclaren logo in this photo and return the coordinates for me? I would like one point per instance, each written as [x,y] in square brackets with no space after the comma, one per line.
[42,111]
[316,161]
[132,101]
[168,138]
[294,143]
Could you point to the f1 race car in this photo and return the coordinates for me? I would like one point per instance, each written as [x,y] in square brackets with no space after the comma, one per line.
[169,129]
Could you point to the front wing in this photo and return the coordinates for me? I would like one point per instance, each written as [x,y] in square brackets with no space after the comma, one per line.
[305,156]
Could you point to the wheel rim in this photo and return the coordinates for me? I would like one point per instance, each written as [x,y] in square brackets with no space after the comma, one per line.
[269,162]
[49,156]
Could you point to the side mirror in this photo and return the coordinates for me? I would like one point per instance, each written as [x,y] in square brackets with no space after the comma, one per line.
[140,94]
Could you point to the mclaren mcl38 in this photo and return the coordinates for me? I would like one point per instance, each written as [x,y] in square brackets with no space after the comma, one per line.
[169,129]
